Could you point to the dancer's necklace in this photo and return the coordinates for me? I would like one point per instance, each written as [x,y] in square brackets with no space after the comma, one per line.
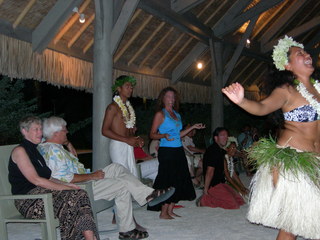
[308,96]
[230,164]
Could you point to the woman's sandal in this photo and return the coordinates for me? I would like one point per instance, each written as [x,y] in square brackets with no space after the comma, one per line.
[133,235]
[159,195]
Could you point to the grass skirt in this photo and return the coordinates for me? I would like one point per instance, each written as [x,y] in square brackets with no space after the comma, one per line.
[293,204]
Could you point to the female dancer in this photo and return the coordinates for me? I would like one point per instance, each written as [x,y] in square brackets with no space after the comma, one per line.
[285,190]
[173,167]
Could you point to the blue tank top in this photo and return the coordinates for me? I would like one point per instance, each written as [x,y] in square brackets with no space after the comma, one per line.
[171,127]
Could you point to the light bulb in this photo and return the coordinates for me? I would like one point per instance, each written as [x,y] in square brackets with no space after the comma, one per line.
[199,65]
[82,19]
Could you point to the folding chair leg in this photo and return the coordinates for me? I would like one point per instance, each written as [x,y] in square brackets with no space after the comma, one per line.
[3,230]
[51,231]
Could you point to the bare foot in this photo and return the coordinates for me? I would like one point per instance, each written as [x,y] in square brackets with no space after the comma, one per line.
[165,216]
[174,215]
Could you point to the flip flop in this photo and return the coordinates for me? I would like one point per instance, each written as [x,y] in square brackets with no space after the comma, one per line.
[158,196]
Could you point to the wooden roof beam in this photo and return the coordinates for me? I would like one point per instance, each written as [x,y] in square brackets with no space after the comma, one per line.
[242,71]
[88,46]
[186,43]
[259,8]
[185,64]
[281,21]
[295,32]
[218,9]
[168,51]
[20,33]
[23,13]
[146,42]
[132,38]
[84,26]
[71,21]
[51,23]
[250,74]
[265,23]
[125,16]
[182,6]
[156,46]
[224,21]
[241,45]
[197,47]
[189,25]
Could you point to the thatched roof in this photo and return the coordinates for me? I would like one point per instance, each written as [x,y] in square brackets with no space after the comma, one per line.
[159,41]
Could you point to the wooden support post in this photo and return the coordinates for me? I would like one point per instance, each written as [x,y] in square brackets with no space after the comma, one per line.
[102,80]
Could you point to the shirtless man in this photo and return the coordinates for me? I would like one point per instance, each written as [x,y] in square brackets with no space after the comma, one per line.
[119,124]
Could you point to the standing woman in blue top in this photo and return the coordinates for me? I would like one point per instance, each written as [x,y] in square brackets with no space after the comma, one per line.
[173,167]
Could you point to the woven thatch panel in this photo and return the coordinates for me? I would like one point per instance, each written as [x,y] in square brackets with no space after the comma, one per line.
[52,67]
[150,87]
[61,70]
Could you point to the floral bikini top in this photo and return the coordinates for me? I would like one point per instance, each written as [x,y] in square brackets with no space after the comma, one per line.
[305,113]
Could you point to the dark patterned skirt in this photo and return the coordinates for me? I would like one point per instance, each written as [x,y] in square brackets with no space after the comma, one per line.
[174,172]
[71,207]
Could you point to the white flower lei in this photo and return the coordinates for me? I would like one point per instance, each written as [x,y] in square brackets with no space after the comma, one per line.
[230,164]
[129,117]
[280,51]
[308,96]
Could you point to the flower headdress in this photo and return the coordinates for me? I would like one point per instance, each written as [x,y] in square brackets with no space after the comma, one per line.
[231,139]
[122,80]
[280,51]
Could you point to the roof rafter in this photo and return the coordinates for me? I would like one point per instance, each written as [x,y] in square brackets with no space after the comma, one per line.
[81,30]
[71,21]
[127,11]
[261,7]
[187,61]
[146,42]
[23,13]
[237,53]
[168,50]
[235,10]
[189,25]
[251,73]
[177,54]
[296,32]
[133,37]
[156,46]
[182,6]
[242,71]
[281,21]
[51,23]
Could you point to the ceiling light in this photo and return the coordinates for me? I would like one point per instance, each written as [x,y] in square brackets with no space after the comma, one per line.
[248,43]
[199,65]
[82,18]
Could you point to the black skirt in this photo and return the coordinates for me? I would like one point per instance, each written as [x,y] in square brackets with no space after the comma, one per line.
[174,172]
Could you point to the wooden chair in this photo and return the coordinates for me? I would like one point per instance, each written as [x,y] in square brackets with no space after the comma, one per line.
[9,213]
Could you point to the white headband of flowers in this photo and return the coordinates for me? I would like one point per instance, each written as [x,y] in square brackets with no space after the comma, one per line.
[231,139]
[280,51]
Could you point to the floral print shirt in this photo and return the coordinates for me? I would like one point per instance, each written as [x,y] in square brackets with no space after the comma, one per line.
[61,162]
